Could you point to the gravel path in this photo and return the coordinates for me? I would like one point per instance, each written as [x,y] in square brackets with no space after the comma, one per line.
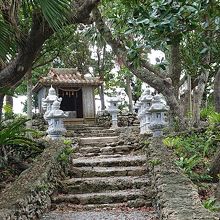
[100,215]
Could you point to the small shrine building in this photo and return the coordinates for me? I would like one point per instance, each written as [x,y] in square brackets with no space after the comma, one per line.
[77,92]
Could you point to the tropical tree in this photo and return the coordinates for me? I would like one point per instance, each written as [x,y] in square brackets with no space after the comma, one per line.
[133,28]
[26,25]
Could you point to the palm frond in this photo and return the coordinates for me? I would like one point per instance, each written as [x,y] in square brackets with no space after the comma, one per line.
[14,133]
[54,11]
[6,39]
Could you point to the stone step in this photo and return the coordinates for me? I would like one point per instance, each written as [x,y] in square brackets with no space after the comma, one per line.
[88,133]
[105,206]
[102,130]
[129,160]
[97,155]
[108,171]
[100,184]
[106,150]
[103,215]
[84,126]
[118,196]
[97,140]
[98,133]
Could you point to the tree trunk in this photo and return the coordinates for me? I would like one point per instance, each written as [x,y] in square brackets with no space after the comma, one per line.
[217,92]
[1,104]
[9,101]
[29,99]
[189,82]
[129,93]
[102,97]
[215,166]
[199,90]
[197,98]
[176,109]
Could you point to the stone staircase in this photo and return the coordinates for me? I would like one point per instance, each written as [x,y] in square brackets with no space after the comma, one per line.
[107,173]
[85,130]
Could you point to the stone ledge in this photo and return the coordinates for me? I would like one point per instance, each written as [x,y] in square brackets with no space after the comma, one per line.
[177,197]
[28,197]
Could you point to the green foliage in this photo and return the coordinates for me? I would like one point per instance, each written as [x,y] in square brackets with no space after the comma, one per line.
[210,204]
[155,162]
[13,141]
[206,112]
[55,12]
[194,152]
[38,134]
[5,38]
[13,133]
[188,164]
[214,118]
[8,111]
[44,187]
[63,158]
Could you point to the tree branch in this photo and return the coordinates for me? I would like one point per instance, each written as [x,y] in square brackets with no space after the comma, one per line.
[44,63]
[117,46]
[39,33]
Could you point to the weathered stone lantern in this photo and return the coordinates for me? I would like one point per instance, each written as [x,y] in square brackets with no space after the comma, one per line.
[146,100]
[55,118]
[157,110]
[113,110]
[48,101]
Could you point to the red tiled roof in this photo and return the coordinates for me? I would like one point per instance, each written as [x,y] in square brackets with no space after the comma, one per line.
[66,77]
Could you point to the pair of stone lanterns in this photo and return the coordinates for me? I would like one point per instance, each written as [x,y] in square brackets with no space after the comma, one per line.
[53,115]
[151,113]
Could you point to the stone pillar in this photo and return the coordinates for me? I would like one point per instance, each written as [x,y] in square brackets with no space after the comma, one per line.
[88,102]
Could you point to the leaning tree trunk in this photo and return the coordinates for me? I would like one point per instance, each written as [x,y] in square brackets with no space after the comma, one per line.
[1,104]
[217,92]
[129,93]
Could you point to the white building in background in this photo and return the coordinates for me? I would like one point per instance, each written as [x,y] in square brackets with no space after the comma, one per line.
[18,104]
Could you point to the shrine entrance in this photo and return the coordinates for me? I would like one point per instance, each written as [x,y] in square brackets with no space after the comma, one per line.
[71,101]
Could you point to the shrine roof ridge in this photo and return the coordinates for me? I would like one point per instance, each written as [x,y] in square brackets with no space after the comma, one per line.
[66,77]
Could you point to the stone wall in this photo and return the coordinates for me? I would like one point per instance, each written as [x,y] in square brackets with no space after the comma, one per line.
[29,196]
[124,119]
[38,122]
[177,197]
